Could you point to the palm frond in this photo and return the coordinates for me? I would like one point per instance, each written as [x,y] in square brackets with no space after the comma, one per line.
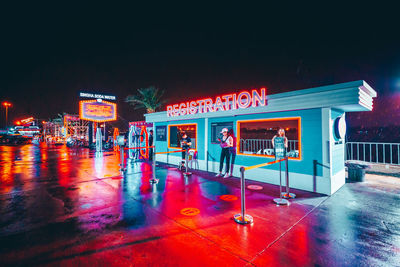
[148,98]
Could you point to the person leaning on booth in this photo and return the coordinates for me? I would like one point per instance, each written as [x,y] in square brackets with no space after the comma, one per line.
[226,143]
[280,143]
[186,142]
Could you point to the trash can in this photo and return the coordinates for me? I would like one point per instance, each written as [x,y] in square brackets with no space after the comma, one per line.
[356,170]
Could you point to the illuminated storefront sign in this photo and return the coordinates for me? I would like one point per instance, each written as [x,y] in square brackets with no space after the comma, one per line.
[97,96]
[241,100]
[27,120]
[92,110]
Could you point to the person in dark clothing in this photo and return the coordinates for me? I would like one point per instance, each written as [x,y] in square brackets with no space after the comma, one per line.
[186,142]
[151,138]
[226,143]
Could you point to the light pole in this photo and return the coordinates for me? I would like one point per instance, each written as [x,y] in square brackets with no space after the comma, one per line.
[6,105]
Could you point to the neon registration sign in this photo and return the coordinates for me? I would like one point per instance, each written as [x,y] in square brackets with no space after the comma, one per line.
[233,101]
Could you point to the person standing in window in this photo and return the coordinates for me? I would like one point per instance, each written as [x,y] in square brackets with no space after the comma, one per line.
[151,138]
[186,142]
[226,143]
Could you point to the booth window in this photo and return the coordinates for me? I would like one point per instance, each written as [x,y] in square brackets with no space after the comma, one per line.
[174,134]
[255,136]
[216,128]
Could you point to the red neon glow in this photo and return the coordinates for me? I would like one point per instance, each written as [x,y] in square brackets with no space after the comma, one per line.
[244,103]
[115,134]
[92,110]
[227,102]
[144,135]
[27,120]
[6,104]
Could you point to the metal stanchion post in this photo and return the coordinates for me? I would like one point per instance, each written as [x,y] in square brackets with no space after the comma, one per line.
[154,180]
[243,218]
[280,200]
[187,173]
[287,194]
[122,159]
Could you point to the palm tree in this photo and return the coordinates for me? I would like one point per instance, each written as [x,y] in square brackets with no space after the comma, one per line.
[147,98]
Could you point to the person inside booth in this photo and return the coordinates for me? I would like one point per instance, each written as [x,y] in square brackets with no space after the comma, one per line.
[186,142]
[226,143]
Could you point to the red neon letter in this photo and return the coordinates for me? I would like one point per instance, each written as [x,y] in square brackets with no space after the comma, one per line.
[226,99]
[208,105]
[256,98]
[169,111]
[193,107]
[234,102]
[176,110]
[240,102]
[218,104]
[182,109]
[201,105]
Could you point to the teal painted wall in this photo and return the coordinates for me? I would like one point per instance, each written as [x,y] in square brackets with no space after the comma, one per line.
[162,146]
[311,140]
[337,149]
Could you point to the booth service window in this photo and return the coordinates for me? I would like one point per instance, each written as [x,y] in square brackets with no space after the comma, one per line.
[216,128]
[255,137]
[174,133]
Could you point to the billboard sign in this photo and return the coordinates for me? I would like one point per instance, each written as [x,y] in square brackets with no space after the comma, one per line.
[93,110]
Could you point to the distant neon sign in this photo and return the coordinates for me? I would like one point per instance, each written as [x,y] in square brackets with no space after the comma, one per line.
[97,96]
[28,120]
[240,100]
[92,110]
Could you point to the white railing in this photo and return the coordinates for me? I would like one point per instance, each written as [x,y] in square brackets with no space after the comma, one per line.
[264,146]
[387,153]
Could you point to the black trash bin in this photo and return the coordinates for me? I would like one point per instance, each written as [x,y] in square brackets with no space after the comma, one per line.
[356,170]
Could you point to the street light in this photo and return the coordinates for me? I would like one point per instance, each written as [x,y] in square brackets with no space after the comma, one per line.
[6,105]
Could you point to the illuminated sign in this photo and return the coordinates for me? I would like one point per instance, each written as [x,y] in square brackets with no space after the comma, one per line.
[92,110]
[97,96]
[241,100]
[140,123]
[26,121]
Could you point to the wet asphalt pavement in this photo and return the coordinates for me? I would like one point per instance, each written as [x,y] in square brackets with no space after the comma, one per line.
[71,207]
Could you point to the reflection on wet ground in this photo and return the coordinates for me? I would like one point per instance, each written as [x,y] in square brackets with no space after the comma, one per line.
[62,206]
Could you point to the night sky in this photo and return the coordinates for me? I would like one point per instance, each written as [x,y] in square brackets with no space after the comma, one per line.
[46,60]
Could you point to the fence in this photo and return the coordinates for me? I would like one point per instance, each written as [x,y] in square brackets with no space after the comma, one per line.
[264,146]
[386,153]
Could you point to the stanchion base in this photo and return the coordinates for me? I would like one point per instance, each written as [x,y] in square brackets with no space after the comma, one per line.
[288,196]
[247,219]
[187,173]
[153,181]
[281,201]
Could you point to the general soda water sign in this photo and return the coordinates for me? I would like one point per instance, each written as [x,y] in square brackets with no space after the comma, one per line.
[93,110]
[97,96]
[241,100]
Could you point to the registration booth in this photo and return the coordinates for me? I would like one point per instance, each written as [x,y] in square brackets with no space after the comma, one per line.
[313,119]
